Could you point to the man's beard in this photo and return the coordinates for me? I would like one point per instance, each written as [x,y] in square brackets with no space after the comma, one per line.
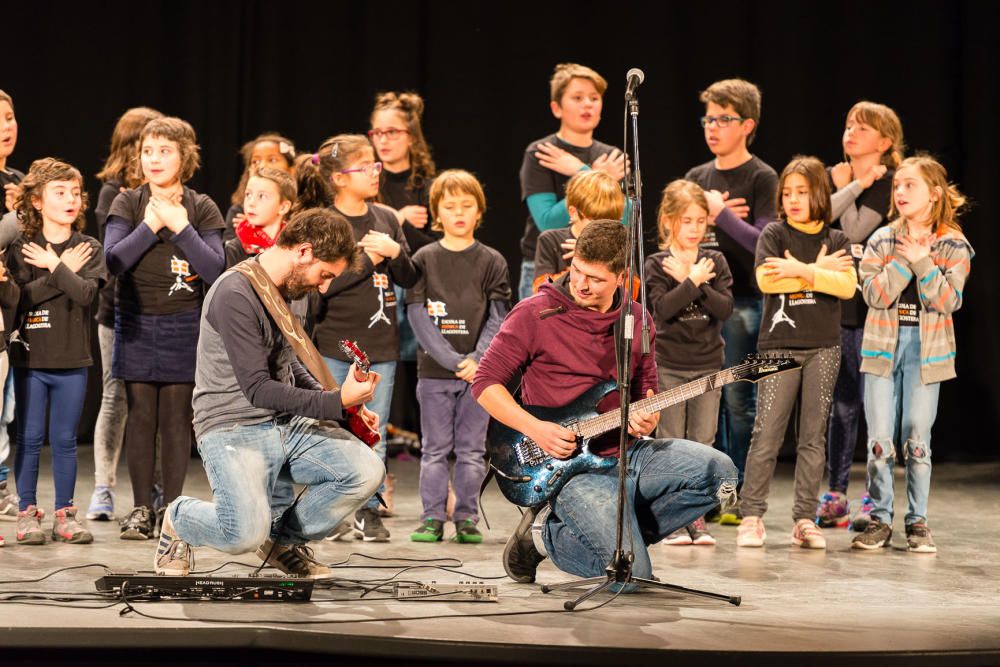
[296,286]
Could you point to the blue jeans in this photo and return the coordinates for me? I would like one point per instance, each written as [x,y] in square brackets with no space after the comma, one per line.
[451,421]
[36,391]
[6,417]
[243,464]
[670,484]
[527,277]
[845,410]
[901,393]
[739,399]
[380,404]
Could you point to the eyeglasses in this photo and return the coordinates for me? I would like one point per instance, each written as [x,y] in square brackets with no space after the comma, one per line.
[390,133]
[373,169]
[721,121]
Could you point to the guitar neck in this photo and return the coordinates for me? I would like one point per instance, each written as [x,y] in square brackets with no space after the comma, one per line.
[608,421]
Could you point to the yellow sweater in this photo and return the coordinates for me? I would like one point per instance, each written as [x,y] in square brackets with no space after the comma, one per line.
[841,284]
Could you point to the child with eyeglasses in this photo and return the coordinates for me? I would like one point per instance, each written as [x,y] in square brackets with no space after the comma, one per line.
[748,185]
[576,101]
[360,304]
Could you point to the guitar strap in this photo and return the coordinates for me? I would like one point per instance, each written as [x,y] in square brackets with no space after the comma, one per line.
[289,324]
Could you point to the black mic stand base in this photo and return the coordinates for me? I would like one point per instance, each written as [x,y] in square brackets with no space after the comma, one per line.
[620,571]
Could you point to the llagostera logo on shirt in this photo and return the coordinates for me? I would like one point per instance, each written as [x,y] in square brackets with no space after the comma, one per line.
[448,327]
[181,269]
[37,319]
[386,299]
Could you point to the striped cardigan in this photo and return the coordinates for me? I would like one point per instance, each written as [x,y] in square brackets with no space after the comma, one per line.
[940,280]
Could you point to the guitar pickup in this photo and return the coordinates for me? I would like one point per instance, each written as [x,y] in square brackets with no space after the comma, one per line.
[554,478]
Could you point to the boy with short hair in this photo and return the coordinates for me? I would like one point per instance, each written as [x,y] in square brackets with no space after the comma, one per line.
[576,95]
[455,309]
[590,195]
[749,185]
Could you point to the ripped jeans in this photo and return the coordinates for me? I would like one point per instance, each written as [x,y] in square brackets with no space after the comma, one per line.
[670,483]
[900,393]
[244,463]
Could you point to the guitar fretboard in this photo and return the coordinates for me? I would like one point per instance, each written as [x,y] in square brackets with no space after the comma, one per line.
[608,421]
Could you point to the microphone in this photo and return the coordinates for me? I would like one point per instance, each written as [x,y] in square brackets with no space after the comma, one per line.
[633,79]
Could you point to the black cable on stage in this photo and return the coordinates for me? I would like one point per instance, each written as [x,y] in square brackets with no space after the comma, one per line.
[53,573]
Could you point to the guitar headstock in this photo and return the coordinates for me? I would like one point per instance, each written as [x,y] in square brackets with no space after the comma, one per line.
[755,367]
[355,354]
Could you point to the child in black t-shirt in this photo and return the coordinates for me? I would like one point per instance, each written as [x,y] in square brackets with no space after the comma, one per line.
[267,150]
[268,197]
[360,305]
[873,145]
[408,169]
[9,180]
[163,241]
[804,270]
[690,296]
[590,195]
[117,176]
[59,270]
[731,120]
[576,95]
[456,308]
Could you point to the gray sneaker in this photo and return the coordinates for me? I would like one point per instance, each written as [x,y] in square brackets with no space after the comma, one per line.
[294,559]
[919,540]
[29,528]
[8,503]
[876,536]
[520,557]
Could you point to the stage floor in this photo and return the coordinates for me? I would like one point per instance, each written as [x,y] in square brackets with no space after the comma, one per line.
[882,607]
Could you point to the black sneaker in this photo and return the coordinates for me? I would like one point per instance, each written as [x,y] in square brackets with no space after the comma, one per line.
[368,526]
[520,557]
[876,536]
[138,525]
[919,540]
[294,559]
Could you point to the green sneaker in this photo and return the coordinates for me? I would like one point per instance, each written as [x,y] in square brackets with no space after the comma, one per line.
[466,532]
[733,517]
[431,530]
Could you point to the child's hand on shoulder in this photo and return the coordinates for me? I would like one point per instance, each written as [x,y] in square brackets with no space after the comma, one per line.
[11,192]
[837,261]
[173,215]
[875,173]
[702,271]
[675,268]
[569,245]
[37,256]
[914,249]
[784,267]
[380,244]
[77,257]
[552,157]
[842,174]
[716,203]
[612,164]
[738,205]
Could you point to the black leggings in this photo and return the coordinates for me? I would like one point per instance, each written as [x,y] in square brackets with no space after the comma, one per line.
[165,407]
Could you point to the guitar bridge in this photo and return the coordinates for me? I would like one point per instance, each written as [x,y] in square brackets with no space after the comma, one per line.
[529,454]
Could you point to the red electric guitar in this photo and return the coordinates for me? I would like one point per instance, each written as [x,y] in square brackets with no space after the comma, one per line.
[355,424]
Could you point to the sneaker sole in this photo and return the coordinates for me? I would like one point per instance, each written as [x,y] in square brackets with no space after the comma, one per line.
[473,539]
[870,547]
[31,540]
[523,526]
[680,542]
[922,550]
[704,542]
[83,537]
[364,538]
[804,544]
[133,535]
[420,537]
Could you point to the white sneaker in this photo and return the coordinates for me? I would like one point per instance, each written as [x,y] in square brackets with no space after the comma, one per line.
[751,532]
[808,535]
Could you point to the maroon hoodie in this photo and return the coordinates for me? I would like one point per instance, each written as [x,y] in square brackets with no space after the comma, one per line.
[562,350]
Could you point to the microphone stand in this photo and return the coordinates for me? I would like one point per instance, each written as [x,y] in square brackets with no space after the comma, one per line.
[619,570]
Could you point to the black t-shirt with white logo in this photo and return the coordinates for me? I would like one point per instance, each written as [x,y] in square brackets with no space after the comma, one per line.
[163,282]
[361,306]
[536,179]
[755,181]
[395,191]
[806,319]
[456,287]
[908,305]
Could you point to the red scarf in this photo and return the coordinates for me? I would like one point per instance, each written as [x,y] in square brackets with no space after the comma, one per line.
[254,239]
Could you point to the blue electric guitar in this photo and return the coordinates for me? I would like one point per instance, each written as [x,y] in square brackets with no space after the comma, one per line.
[528,476]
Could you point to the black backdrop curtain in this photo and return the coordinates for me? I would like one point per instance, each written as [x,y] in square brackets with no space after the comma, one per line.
[235,69]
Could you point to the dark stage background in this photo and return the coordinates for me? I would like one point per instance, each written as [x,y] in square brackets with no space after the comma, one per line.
[235,69]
